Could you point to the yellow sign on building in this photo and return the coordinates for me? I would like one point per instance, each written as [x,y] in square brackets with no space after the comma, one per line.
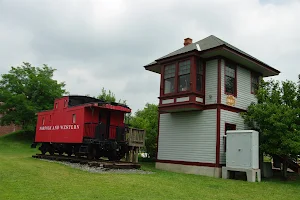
[230,100]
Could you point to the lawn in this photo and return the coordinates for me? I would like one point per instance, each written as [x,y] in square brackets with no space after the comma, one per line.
[23,177]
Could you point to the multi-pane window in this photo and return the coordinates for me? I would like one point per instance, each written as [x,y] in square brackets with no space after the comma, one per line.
[199,74]
[254,83]
[169,76]
[184,76]
[230,79]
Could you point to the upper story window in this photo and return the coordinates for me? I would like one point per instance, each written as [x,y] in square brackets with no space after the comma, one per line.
[254,83]
[230,79]
[199,76]
[169,77]
[184,76]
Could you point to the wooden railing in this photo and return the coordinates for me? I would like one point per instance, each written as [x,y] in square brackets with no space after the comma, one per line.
[136,137]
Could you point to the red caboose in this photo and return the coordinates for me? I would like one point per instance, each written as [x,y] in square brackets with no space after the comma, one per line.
[83,125]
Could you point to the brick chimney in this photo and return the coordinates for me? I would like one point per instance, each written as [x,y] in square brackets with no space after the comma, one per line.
[188,41]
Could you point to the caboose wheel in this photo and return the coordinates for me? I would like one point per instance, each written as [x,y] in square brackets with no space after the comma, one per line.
[43,151]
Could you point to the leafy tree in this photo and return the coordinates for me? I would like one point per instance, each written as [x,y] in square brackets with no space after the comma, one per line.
[277,118]
[26,90]
[109,96]
[147,119]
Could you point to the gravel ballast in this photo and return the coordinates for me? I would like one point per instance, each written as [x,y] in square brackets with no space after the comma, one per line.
[101,170]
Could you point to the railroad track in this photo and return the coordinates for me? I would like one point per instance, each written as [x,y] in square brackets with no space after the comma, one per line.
[92,163]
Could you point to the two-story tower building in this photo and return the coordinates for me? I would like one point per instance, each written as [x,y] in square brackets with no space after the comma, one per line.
[203,89]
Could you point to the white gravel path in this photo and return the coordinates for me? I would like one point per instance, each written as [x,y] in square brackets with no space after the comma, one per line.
[101,170]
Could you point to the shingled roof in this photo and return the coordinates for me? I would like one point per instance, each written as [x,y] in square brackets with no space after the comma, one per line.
[205,44]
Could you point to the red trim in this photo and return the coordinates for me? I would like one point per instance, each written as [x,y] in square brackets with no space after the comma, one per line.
[204,79]
[181,107]
[157,137]
[162,82]
[187,163]
[235,79]
[218,120]
[199,106]
[181,94]
[218,124]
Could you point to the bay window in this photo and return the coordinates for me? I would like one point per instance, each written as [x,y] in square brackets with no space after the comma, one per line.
[199,76]
[169,79]
[184,76]
[230,79]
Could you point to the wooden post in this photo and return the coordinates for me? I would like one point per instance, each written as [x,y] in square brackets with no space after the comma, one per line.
[136,155]
[131,154]
[127,157]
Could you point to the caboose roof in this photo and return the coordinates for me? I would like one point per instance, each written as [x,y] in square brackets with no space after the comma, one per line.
[213,46]
[75,100]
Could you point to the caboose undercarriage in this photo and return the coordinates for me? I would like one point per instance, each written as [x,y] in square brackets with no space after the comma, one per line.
[91,148]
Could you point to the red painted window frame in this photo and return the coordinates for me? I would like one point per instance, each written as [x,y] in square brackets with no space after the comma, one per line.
[193,77]
[191,66]
[256,75]
[235,82]
[202,91]
[163,79]
[227,124]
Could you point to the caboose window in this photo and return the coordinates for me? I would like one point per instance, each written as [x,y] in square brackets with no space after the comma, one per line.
[169,77]
[56,105]
[73,118]
[184,76]
[43,121]
[66,103]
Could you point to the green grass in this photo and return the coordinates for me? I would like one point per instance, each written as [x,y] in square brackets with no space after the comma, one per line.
[23,177]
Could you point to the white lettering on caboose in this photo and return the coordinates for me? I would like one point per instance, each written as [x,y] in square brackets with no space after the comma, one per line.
[59,127]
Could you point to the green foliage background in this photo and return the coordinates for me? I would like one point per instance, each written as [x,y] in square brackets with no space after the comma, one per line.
[26,90]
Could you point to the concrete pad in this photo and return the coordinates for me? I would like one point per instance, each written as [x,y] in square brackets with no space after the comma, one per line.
[252,174]
[190,169]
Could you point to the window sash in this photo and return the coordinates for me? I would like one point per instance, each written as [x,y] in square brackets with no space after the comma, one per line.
[199,69]
[199,82]
[169,71]
[230,79]
[184,67]
[169,85]
[254,83]
[184,82]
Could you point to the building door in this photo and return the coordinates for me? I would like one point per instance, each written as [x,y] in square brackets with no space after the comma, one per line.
[228,127]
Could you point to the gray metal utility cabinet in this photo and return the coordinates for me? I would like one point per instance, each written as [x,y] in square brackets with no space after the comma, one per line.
[242,154]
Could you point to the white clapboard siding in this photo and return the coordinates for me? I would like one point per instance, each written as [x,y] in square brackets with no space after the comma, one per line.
[231,118]
[244,96]
[211,82]
[188,136]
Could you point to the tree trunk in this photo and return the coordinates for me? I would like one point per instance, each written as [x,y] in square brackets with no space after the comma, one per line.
[284,168]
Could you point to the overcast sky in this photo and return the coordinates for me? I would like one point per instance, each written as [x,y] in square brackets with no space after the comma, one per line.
[95,44]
